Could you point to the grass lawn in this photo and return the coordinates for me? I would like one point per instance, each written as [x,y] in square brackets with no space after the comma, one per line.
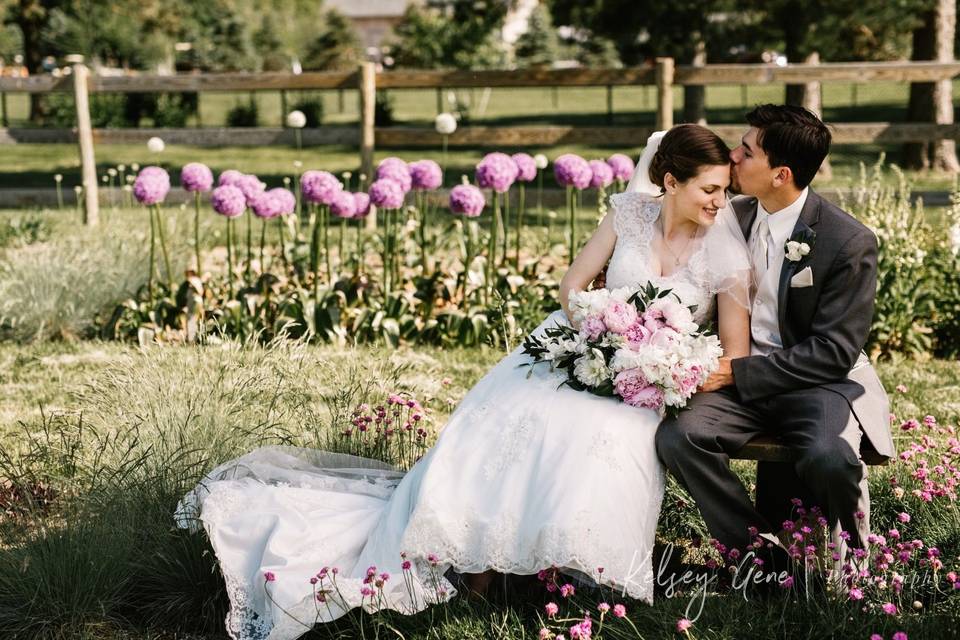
[226,400]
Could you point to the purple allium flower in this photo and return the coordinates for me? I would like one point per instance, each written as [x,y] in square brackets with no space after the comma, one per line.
[425,175]
[622,166]
[361,204]
[497,171]
[286,201]
[251,187]
[230,176]
[467,200]
[228,201]
[196,177]
[386,194]
[265,205]
[572,171]
[526,167]
[602,174]
[397,170]
[343,205]
[151,186]
[319,186]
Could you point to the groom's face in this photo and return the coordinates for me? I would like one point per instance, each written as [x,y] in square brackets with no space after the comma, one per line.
[751,172]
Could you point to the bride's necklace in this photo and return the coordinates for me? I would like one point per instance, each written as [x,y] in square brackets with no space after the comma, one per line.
[666,243]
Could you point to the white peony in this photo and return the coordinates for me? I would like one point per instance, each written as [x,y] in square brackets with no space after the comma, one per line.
[796,250]
[591,369]
[155,145]
[296,119]
[445,124]
[588,303]
[541,161]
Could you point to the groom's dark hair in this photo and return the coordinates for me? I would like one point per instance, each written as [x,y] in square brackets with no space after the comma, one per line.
[791,137]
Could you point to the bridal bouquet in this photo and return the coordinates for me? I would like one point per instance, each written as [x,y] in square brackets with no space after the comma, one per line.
[641,345]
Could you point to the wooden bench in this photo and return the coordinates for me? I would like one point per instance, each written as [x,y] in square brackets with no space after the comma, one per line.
[766,448]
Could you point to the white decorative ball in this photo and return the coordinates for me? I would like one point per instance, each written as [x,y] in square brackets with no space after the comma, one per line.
[445,124]
[155,145]
[296,119]
[541,161]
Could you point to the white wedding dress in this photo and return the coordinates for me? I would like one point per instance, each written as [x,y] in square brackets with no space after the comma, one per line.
[526,475]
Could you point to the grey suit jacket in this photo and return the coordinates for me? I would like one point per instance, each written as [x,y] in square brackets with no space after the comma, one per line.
[824,327]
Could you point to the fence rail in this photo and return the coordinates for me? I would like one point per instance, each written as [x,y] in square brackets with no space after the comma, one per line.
[663,75]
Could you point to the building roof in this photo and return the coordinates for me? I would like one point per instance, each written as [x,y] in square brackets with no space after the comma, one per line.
[370,8]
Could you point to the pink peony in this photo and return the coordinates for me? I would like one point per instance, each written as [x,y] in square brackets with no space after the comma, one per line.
[196,176]
[497,171]
[619,316]
[899,635]
[855,594]
[386,194]
[622,166]
[592,328]
[619,610]
[683,624]
[425,175]
[551,609]
[228,201]
[633,387]
[269,576]
[571,170]
[638,334]
[889,608]
[602,174]
[526,167]
[151,186]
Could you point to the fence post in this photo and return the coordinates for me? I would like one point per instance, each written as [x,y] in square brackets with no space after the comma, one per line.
[81,75]
[664,75]
[368,96]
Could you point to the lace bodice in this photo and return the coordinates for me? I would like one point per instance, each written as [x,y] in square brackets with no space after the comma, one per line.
[634,215]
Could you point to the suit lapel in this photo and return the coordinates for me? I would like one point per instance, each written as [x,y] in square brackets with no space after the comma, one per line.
[809,216]
[746,210]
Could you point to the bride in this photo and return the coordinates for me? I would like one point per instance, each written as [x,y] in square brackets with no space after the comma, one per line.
[525,476]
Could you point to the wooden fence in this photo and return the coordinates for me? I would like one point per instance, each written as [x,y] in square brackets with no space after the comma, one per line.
[663,75]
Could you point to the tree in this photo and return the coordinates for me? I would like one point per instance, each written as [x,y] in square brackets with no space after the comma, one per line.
[335,47]
[269,47]
[456,35]
[933,101]
[538,46]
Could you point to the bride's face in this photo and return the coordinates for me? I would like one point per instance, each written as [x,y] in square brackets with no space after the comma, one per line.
[702,196]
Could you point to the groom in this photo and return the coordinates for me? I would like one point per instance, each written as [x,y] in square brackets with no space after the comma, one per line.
[806,380]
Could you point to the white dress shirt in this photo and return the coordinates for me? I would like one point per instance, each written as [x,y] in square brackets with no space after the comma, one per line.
[764,318]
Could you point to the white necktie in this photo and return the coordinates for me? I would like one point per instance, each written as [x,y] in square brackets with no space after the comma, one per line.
[760,247]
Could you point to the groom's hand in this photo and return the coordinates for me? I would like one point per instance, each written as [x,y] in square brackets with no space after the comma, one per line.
[722,377]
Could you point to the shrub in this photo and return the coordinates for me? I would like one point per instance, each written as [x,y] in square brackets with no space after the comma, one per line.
[244,115]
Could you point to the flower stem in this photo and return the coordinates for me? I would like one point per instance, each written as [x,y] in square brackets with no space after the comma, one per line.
[163,248]
[196,230]
[283,248]
[492,247]
[325,220]
[230,256]
[340,254]
[519,222]
[153,243]
[249,244]
[263,241]
[505,224]
[572,206]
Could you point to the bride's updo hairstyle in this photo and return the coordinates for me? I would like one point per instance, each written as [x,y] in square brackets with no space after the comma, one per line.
[683,150]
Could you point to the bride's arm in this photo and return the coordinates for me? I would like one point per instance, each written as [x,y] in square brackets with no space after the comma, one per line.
[733,320]
[589,261]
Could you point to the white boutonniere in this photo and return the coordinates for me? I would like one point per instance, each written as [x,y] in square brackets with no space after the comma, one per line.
[796,250]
